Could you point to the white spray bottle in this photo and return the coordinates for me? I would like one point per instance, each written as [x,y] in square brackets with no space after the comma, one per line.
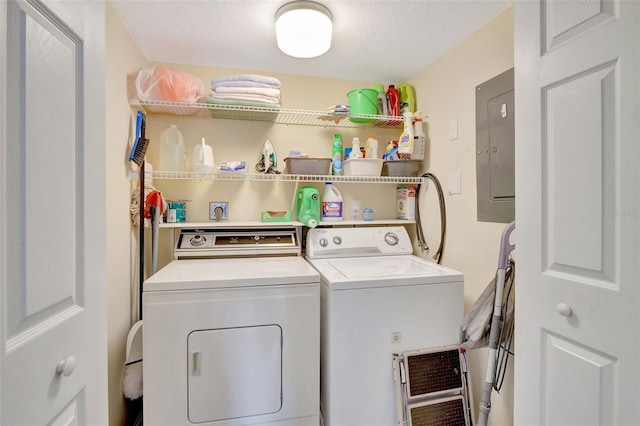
[405,143]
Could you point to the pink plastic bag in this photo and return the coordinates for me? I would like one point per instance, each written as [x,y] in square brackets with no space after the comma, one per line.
[162,83]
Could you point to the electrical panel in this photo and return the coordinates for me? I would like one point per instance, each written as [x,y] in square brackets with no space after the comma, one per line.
[495,149]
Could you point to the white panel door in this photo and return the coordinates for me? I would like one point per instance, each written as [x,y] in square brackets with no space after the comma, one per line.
[52,203]
[577,67]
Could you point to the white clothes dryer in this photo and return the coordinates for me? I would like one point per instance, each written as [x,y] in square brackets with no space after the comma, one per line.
[232,341]
[377,300]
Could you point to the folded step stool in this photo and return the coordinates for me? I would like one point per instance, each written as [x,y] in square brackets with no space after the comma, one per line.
[432,387]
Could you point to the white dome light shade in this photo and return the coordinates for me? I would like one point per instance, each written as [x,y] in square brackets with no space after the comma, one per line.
[303,29]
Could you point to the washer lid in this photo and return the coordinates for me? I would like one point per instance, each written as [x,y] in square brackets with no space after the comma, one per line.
[192,274]
[368,272]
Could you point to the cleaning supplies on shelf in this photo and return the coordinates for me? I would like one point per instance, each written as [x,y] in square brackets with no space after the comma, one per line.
[355,148]
[336,155]
[172,150]
[391,151]
[371,148]
[405,143]
[331,203]
[393,103]
[382,100]
[406,202]
[407,97]
[202,158]
[419,138]
[308,206]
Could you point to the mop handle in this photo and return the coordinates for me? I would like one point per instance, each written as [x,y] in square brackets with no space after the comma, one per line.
[505,247]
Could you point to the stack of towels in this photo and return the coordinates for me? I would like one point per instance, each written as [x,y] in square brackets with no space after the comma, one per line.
[246,89]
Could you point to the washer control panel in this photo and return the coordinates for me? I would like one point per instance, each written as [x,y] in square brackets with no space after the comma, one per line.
[362,241]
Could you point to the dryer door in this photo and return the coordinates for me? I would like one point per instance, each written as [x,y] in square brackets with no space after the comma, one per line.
[234,372]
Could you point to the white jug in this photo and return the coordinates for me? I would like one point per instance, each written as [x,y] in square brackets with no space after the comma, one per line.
[172,150]
[202,158]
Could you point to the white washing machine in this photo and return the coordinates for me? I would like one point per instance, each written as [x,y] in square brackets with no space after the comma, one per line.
[377,299]
[232,341]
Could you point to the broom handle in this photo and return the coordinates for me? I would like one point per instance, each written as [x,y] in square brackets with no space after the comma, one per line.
[142,172]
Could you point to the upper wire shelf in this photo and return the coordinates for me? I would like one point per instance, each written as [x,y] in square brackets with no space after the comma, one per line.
[282,177]
[269,114]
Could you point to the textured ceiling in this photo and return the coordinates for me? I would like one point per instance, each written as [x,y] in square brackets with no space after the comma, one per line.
[386,41]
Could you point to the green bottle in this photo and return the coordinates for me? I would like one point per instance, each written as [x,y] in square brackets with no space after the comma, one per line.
[336,155]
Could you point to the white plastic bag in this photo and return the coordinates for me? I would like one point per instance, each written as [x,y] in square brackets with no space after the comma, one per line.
[162,83]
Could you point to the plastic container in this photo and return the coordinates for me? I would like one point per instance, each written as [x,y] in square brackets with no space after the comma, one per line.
[401,168]
[382,100]
[405,143]
[418,138]
[367,214]
[393,103]
[331,203]
[355,149]
[308,206]
[202,158]
[172,150]
[406,202]
[363,101]
[363,167]
[336,155]
[407,96]
[307,166]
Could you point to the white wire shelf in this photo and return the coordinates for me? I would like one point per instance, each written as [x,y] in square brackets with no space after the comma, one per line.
[270,114]
[283,177]
[259,224]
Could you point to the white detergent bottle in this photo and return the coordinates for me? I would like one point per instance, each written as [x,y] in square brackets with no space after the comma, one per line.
[172,150]
[355,148]
[331,203]
[371,147]
[419,138]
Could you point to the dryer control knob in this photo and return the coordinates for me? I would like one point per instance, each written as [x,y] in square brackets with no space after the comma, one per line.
[337,240]
[391,238]
[323,242]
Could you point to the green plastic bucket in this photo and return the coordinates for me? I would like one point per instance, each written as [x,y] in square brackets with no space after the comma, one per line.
[363,101]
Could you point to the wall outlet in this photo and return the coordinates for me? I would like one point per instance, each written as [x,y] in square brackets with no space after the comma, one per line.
[218,210]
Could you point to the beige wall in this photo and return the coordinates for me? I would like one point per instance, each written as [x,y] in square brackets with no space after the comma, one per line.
[446,90]
[123,57]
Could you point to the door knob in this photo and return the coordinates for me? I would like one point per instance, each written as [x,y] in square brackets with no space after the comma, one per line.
[66,366]
[564,309]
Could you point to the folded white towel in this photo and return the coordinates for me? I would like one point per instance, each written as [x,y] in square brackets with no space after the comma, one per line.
[262,91]
[246,97]
[243,83]
[271,81]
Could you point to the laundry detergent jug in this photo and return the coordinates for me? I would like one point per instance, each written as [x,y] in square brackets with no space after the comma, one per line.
[172,150]
[202,158]
[308,206]
[331,203]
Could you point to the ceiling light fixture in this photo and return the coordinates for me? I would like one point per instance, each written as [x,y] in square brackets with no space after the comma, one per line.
[303,29]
